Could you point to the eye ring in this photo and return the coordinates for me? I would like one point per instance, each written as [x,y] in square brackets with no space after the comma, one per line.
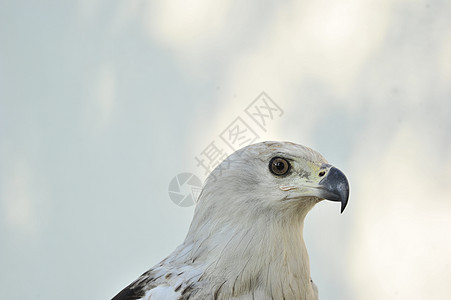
[279,166]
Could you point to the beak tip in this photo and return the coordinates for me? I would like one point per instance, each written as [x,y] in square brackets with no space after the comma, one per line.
[343,206]
[344,199]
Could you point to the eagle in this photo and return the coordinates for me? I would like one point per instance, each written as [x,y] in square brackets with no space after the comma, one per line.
[246,237]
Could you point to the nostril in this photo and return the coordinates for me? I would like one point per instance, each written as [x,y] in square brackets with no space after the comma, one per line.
[322,173]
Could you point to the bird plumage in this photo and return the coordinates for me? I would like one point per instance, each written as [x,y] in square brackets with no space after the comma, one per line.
[246,240]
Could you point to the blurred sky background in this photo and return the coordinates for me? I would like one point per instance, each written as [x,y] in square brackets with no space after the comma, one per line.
[102,103]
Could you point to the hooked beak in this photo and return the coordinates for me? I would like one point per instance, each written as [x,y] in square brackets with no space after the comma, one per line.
[335,187]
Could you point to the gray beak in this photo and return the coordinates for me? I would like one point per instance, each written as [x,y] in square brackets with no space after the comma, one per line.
[335,187]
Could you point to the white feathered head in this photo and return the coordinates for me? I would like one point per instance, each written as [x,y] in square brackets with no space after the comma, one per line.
[270,179]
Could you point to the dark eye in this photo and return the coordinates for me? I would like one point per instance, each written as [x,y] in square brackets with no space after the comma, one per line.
[279,166]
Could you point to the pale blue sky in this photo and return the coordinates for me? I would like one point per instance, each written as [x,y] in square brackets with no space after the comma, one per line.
[102,103]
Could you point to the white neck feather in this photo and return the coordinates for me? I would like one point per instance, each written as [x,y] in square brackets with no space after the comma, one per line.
[252,252]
